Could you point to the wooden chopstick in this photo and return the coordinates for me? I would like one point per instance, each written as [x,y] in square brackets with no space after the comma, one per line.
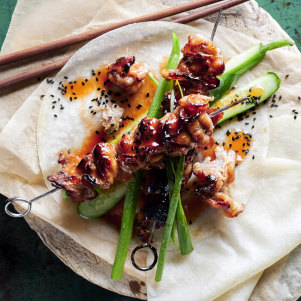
[209,11]
[57,65]
[89,35]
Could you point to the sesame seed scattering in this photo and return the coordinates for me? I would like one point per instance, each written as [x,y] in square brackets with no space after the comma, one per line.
[108,107]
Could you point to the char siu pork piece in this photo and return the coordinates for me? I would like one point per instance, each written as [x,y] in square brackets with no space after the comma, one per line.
[183,131]
[127,74]
[78,187]
[198,69]
[214,179]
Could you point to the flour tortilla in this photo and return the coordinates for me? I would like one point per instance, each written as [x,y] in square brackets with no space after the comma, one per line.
[227,251]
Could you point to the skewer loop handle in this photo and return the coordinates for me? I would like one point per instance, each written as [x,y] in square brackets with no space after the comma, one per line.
[16,199]
[154,251]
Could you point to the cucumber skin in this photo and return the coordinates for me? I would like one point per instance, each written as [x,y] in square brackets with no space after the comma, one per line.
[84,208]
[232,74]
[242,108]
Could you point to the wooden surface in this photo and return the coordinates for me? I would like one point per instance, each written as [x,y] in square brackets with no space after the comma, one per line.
[29,271]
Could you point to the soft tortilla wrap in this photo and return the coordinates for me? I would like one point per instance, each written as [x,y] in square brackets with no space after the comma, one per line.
[227,251]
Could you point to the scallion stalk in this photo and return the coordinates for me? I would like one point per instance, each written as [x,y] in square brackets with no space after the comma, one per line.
[165,85]
[127,224]
[132,194]
[183,230]
[152,78]
[170,178]
[184,238]
[173,204]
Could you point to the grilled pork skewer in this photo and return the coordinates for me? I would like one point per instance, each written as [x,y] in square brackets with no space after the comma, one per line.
[188,128]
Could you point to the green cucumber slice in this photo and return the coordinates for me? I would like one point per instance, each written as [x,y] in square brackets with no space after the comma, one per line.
[106,200]
[264,86]
[243,62]
[65,196]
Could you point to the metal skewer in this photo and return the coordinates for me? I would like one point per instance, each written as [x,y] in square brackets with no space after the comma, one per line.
[228,106]
[148,244]
[145,245]
[216,24]
[29,203]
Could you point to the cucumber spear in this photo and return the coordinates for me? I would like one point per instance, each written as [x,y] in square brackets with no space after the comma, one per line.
[253,94]
[243,62]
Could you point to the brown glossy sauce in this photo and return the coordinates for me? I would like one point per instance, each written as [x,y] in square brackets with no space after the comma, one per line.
[135,106]
[193,208]
[89,143]
[254,94]
[81,86]
[238,141]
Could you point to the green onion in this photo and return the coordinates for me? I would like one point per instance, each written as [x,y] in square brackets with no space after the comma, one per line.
[181,92]
[152,78]
[173,204]
[241,63]
[183,230]
[172,100]
[184,238]
[127,223]
[165,85]
[170,178]
[132,194]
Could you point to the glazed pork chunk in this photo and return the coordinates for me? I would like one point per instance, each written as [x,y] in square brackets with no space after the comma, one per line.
[214,179]
[180,132]
[126,74]
[198,69]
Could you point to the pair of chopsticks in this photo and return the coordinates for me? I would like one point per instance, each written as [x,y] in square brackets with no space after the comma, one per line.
[86,36]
